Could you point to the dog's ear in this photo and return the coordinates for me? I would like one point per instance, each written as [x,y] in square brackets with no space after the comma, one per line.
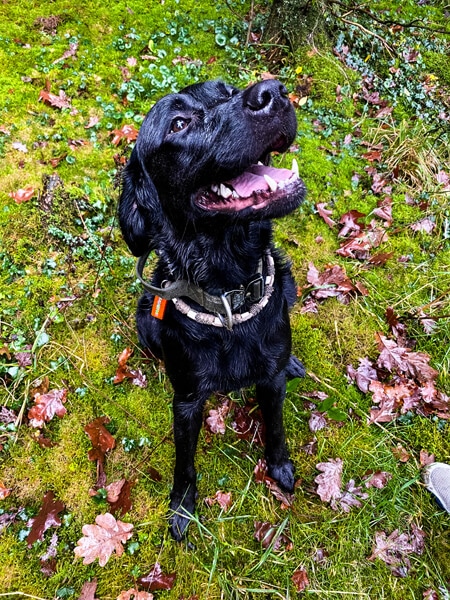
[140,212]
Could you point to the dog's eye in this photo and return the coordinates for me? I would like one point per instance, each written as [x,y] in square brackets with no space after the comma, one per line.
[179,124]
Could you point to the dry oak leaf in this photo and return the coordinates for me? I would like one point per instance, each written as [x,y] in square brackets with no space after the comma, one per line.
[47,406]
[395,548]
[333,281]
[425,225]
[102,440]
[414,364]
[6,519]
[329,482]
[363,375]
[359,244]
[350,223]
[249,424]
[126,372]
[23,194]
[350,496]
[101,540]
[269,534]
[46,517]
[384,210]
[60,101]
[285,498]
[48,559]
[215,422]
[7,415]
[128,132]
[325,213]
[88,590]
[24,359]
[391,399]
[425,458]
[39,386]
[317,421]
[378,479]
[223,499]
[93,121]
[119,496]
[401,453]
[300,579]
[68,53]
[157,580]
[380,258]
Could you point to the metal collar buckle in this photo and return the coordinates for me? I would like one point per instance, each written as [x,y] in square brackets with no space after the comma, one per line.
[234,299]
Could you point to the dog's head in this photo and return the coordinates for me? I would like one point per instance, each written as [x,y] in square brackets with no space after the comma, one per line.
[203,156]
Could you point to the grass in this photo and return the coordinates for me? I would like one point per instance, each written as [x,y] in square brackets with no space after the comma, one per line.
[67,290]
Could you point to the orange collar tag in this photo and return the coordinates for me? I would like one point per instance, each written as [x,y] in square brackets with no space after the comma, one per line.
[159,307]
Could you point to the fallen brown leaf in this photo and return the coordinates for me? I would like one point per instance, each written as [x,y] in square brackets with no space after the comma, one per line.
[223,499]
[325,214]
[300,579]
[127,132]
[101,540]
[88,590]
[47,517]
[57,101]
[23,194]
[47,406]
[268,534]
[157,580]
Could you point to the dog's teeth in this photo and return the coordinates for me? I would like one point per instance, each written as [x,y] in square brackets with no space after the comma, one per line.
[215,188]
[260,164]
[271,182]
[225,191]
[294,167]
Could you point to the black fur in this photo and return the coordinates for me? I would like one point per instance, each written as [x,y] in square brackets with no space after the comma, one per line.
[209,134]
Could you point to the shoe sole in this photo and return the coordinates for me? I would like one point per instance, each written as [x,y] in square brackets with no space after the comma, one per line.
[437,480]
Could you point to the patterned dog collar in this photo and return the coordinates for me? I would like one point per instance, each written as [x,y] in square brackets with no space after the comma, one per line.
[230,318]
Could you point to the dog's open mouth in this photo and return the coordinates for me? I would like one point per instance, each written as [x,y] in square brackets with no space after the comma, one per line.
[258,186]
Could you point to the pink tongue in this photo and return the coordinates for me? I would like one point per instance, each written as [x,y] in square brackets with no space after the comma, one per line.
[253,180]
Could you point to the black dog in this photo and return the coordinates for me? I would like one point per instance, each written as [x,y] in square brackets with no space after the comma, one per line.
[198,190]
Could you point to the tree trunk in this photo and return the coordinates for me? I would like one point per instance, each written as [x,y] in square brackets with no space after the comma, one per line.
[291,22]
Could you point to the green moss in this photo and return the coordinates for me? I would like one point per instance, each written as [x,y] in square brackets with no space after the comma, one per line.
[437,64]
[327,75]
[431,437]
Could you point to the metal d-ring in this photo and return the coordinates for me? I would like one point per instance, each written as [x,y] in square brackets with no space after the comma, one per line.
[228,321]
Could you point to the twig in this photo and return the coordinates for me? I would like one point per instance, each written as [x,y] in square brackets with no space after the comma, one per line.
[250,23]
[388,23]
[436,300]
[372,33]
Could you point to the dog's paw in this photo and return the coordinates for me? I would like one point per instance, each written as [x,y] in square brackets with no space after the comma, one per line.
[295,368]
[180,513]
[283,475]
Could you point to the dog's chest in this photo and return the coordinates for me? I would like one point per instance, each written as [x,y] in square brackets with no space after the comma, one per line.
[223,361]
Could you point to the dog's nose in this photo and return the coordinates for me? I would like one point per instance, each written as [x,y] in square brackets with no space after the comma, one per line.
[269,95]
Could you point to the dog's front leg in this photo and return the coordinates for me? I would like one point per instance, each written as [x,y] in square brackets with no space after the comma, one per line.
[187,412]
[270,397]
